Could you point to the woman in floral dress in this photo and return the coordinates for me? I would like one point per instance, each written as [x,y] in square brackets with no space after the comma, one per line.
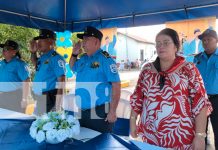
[170,99]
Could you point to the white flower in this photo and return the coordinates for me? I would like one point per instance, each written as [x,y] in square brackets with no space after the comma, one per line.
[77,122]
[48,126]
[71,119]
[51,134]
[40,136]
[76,129]
[61,135]
[33,132]
[54,126]
[67,132]
[63,116]
[35,123]
[45,117]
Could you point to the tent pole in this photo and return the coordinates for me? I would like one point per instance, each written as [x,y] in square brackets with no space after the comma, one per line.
[65,14]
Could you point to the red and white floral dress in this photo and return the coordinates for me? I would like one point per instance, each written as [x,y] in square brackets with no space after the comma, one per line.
[167,114]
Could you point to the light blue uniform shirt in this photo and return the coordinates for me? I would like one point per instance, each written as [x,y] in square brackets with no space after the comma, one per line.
[189,50]
[94,77]
[12,74]
[50,66]
[209,71]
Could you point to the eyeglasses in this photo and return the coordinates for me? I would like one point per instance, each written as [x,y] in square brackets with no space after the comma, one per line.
[165,44]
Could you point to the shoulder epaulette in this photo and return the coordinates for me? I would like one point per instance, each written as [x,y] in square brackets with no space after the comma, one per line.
[54,53]
[105,54]
[199,54]
[81,55]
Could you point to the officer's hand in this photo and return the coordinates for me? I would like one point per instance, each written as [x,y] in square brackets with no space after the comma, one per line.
[77,47]
[111,117]
[33,46]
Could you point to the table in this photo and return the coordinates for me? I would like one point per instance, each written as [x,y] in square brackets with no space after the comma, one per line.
[9,114]
[14,135]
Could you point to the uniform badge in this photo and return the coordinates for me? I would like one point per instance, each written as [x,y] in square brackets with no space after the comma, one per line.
[46,62]
[61,63]
[95,64]
[113,68]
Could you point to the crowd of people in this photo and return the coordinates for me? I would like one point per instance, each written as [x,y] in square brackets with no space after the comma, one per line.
[128,65]
[173,98]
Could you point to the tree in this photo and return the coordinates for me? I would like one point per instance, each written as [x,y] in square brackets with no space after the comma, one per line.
[19,34]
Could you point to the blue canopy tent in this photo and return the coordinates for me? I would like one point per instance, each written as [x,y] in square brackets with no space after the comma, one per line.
[74,15]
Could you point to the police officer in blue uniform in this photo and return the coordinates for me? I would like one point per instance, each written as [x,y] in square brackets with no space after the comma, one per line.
[207,63]
[50,72]
[14,78]
[97,82]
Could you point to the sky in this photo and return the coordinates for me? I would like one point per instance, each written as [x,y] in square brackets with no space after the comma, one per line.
[146,32]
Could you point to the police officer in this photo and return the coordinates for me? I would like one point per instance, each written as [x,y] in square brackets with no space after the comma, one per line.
[14,78]
[97,82]
[50,72]
[207,63]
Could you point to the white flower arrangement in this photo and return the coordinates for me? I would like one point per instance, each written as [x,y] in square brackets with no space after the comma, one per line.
[54,127]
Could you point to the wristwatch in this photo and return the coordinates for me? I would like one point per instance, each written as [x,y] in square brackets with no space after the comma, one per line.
[74,55]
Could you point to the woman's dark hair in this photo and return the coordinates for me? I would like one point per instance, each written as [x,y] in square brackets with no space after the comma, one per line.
[172,34]
[18,55]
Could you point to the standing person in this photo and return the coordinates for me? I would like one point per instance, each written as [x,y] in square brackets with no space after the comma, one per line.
[122,64]
[97,82]
[170,99]
[194,47]
[128,63]
[49,77]
[14,78]
[207,63]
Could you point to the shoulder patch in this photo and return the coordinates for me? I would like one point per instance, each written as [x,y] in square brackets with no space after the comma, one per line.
[113,68]
[105,54]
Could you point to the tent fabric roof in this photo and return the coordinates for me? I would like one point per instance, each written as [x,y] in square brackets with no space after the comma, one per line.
[74,15]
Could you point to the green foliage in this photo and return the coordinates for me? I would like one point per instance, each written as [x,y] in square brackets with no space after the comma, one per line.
[74,37]
[19,34]
[22,36]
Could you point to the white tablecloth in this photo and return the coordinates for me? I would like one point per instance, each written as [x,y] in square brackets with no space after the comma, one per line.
[85,133]
[9,114]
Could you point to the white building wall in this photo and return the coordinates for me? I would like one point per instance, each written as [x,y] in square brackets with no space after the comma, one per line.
[129,48]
